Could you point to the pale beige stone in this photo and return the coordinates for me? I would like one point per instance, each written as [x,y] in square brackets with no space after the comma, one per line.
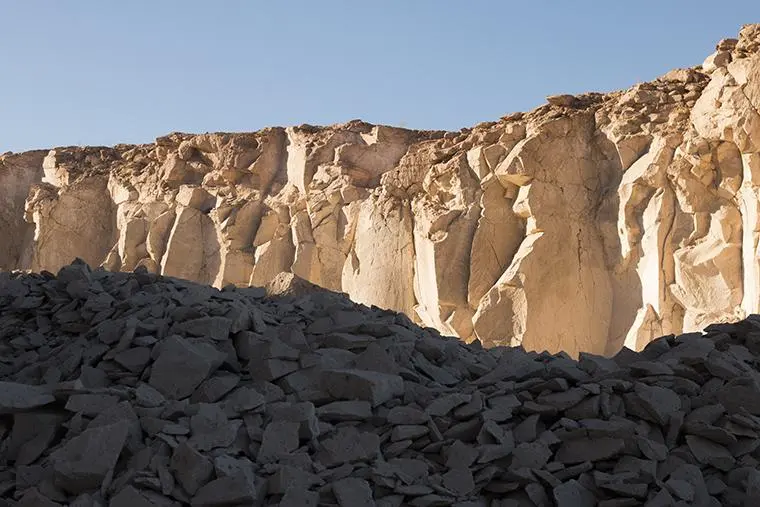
[594,221]
[383,254]
[716,60]
[192,250]
[78,221]
[271,259]
[497,237]
[18,173]
[158,234]
[195,197]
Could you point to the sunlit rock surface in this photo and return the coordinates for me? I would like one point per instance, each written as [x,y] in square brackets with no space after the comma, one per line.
[591,222]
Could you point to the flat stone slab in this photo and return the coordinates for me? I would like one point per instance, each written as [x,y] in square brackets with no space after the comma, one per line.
[15,397]
[85,461]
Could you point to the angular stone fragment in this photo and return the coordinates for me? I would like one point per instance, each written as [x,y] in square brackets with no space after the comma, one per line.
[32,433]
[374,387]
[210,428]
[16,397]
[147,396]
[406,415]
[653,403]
[531,455]
[352,492]
[181,366]
[242,400]
[191,468]
[408,432]
[345,411]
[740,395]
[214,388]
[460,455]
[280,439]
[290,477]
[753,488]
[348,445]
[225,491]
[561,100]
[651,449]
[91,404]
[130,497]
[215,328]
[573,494]
[84,461]
[709,452]
[134,359]
[589,449]
[235,484]
[303,413]
[33,498]
[272,369]
[681,489]
[459,481]
[300,497]
[442,406]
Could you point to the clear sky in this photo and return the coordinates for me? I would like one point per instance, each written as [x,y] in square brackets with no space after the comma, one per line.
[101,72]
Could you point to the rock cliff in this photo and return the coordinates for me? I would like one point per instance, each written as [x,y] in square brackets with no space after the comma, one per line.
[591,222]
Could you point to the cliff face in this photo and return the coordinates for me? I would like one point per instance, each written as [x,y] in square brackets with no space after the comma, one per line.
[590,222]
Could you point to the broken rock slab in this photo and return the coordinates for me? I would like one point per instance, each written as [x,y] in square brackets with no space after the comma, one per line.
[374,387]
[15,397]
[83,463]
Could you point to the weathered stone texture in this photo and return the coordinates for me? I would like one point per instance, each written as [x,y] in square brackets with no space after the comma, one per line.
[591,222]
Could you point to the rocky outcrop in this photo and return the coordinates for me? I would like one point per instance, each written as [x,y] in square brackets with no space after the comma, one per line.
[591,222]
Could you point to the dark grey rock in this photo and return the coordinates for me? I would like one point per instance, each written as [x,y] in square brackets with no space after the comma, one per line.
[16,397]
[181,366]
[83,463]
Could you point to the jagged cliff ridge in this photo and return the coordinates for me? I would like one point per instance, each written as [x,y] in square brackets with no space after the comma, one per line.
[592,221]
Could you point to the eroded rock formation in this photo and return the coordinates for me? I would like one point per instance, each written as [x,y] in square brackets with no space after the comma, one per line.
[591,222]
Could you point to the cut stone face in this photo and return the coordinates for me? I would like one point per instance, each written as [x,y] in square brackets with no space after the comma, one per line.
[592,222]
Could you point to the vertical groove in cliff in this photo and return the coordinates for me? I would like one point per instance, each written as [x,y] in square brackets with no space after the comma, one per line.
[591,221]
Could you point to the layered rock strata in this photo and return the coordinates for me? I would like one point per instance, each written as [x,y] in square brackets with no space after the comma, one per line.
[133,389]
[591,222]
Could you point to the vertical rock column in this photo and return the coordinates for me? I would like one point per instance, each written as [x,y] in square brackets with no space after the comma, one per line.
[380,266]
[556,294]
[446,217]
[645,222]
[18,172]
[73,216]
[750,210]
[192,250]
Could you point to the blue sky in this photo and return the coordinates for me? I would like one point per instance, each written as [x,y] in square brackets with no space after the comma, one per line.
[101,72]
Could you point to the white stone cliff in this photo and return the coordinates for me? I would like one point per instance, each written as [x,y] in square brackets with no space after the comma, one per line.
[591,222]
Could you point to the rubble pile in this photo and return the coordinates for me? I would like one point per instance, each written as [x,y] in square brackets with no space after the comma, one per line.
[133,389]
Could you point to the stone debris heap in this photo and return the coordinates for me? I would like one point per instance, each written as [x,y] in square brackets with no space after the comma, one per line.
[132,389]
